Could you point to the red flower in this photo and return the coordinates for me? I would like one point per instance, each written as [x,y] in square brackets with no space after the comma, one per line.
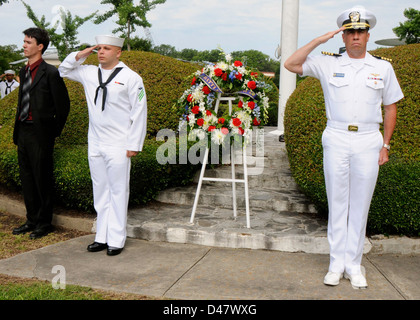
[221,120]
[240,104]
[206,90]
[195,109]
[237,64]
[189,98]
[238,76]
[251,105]
[193,81]
[208,113]
[224,76]
[241,131]
[254,74]
[200,122]
[211,128]
[252,85]
[236,122]
[218,72]
[224,130]
[256,122]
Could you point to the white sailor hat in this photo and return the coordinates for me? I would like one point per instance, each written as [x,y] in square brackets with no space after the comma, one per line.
[9,72]
[110,40]
[356,18]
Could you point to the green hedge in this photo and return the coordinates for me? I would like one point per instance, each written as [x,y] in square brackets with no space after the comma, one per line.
[74,187]
[165,81]
[395,207]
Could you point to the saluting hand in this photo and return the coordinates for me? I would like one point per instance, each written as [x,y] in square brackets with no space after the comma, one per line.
[330,35]
[85,53]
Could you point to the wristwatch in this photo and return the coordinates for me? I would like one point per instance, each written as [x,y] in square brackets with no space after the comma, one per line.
[387,146]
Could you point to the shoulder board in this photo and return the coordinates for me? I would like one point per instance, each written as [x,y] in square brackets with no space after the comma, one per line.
[331,54]
[382,58]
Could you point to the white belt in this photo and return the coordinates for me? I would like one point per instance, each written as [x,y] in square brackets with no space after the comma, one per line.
[356,127]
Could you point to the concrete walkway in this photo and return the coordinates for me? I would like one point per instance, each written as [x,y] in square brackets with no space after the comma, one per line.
[194,272]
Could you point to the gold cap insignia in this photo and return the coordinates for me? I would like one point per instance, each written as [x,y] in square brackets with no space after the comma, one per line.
[354,16]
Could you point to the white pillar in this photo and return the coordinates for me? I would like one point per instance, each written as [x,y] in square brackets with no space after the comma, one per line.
[289,42]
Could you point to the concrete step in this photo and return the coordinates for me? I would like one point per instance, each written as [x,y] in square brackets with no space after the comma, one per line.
[281,217]
[216,227]
[212,194]
[267,178]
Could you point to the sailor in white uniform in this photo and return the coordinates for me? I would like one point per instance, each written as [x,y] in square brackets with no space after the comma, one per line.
[9,84]
[117,104]
[355,85]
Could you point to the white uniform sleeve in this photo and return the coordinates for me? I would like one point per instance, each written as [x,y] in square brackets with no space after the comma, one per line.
[392,92]
[311,67]
[2,89]
[69,68]
[138,115]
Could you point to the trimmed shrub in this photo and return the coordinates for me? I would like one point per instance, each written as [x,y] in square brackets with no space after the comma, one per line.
[164,79]
[395,207]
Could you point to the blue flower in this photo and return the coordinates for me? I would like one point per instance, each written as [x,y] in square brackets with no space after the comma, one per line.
[232,75]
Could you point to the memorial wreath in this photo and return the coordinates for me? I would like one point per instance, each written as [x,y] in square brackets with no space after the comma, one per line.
[225,78]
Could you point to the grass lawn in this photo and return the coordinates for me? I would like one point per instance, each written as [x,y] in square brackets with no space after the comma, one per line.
[13,288]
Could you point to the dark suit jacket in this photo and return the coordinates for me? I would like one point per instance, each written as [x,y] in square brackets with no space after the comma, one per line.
[50,103]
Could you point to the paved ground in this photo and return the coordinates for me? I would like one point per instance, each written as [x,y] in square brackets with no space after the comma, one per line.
[194,272]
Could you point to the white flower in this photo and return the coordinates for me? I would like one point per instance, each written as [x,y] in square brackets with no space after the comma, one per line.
[223,66]
[198,94]
[191,118]
[200,133]
[217,136]
[242,70]
[202,106]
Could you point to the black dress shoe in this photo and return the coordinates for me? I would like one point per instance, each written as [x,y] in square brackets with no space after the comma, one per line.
[113,251]
[96,246]
[23,229]
[41,232]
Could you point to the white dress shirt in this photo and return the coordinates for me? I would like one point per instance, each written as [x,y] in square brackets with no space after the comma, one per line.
[354,94]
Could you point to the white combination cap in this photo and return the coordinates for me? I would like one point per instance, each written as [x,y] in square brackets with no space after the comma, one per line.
[110,40]
[9,72]
[356,18]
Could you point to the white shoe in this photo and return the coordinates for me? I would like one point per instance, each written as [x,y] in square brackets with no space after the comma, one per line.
[358,281]
[332,278]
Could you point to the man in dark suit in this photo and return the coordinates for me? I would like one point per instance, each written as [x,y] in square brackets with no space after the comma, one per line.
[43,107]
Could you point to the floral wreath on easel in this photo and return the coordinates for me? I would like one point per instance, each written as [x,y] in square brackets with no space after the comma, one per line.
[231,78]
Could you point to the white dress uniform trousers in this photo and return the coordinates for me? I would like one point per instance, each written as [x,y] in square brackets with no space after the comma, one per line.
[119,127]
[353,92]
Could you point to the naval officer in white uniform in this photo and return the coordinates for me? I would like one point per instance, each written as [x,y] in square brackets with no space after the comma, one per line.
[9,84]
[117,106]
[355,85]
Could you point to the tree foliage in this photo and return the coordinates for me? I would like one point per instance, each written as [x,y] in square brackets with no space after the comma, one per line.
[129,15]
[9,54]
[410,29]
[65,42]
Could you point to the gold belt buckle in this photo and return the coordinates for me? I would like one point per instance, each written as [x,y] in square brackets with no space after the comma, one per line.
[353,128]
